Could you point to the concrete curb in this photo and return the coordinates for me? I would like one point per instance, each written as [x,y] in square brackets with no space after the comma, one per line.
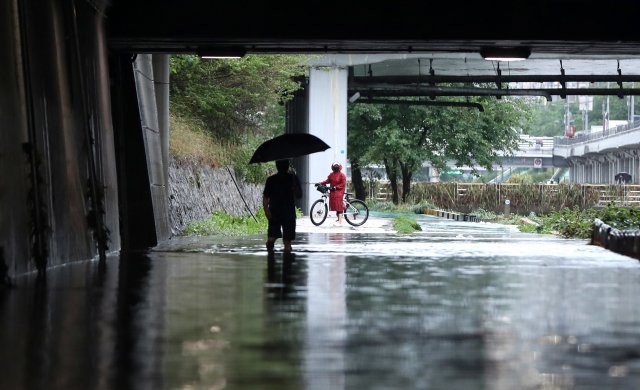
[450,215]
[625,242]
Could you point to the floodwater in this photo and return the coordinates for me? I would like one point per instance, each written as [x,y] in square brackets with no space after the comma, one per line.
[457,306]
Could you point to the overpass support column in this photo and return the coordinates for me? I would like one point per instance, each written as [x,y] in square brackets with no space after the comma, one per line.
[328,121]
[161,89]
[144,215]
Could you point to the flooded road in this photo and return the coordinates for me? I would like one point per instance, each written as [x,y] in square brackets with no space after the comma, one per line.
[457,306]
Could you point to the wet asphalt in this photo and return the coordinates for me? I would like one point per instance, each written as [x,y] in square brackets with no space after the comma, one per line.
[458,305]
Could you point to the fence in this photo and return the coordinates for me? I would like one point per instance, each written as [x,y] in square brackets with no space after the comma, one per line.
[524,198]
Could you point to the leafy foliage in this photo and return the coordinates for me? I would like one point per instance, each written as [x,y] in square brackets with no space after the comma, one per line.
[234,96]
[228,107]
[621,218]
[547,118]
[403,136]
[570,222]
[577,223]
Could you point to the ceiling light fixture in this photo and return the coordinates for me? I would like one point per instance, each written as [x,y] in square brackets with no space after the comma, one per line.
[518,53]
[221,52]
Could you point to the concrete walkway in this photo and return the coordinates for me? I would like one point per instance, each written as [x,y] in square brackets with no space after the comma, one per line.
[373,225]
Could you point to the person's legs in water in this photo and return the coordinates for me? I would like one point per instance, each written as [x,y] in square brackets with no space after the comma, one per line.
[271,241]
[273,233]
[339,213]
[287,246]
[288,233]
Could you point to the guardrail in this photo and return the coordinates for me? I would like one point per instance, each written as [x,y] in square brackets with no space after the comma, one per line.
[580,138]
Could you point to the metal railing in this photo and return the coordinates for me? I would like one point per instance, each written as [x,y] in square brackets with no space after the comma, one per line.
[580,138]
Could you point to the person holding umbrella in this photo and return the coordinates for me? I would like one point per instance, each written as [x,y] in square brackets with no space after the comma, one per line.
[278,200]
[338,182]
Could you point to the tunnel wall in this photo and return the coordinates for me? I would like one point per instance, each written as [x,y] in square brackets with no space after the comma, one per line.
[58,195]
[197,190]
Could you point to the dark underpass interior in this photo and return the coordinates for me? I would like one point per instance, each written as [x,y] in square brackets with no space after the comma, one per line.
[99,299]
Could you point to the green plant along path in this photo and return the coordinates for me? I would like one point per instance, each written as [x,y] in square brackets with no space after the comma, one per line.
[221,223]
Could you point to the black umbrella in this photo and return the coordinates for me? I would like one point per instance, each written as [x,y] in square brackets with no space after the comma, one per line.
[622,177]
[288,146]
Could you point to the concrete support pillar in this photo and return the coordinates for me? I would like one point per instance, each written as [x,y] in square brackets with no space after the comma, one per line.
[328,121]
[153,134]
[297,121]
[161,88]
[599,177]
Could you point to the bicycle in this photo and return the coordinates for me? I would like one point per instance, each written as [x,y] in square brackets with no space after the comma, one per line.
[356,211]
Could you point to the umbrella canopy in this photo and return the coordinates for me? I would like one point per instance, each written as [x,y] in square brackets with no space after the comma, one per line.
[622,177]
[288,146]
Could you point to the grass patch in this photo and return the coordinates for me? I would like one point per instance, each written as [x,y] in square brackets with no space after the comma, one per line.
[405,225]
[223,224]
[189,140]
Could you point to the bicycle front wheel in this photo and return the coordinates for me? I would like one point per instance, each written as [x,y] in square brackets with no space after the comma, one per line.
[318,212]
[356,213]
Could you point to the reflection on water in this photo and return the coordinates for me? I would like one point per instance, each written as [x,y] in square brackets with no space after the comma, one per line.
[458,306]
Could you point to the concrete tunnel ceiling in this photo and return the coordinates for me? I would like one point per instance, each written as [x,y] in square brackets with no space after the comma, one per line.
[592,40]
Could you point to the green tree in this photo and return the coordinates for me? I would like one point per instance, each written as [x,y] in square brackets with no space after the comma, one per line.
[547,118]
[236,103]
[235,97]
[404,136]
[363,120]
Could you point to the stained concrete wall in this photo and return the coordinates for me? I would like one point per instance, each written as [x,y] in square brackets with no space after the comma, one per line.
[197,190]
[57,173]
[154,135]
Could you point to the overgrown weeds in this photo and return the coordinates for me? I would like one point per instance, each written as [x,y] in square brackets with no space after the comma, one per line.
[223,224]
[191,141]
[577,223]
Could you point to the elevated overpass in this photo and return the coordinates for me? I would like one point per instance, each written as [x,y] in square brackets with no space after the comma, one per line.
[597,157]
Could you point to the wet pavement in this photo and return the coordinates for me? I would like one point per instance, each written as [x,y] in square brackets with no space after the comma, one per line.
[457,306]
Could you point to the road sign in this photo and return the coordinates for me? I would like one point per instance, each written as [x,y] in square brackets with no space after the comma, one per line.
[537,163]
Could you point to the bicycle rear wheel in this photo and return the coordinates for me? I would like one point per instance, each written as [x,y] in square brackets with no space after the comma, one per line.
[318,212]
[356,213]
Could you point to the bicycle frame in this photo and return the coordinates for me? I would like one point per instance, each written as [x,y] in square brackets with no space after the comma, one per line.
[345,200]
[355,211]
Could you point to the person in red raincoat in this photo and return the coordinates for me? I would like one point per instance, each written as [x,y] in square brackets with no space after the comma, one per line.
[338,182]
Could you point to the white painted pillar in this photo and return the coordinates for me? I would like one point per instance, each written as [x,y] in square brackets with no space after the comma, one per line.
[328,121]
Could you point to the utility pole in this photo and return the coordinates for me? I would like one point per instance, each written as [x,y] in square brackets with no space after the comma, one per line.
[605,113]
[567,114]
[633,106]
